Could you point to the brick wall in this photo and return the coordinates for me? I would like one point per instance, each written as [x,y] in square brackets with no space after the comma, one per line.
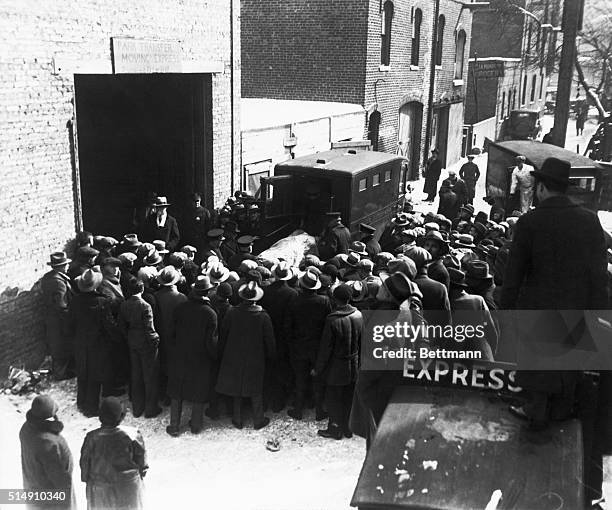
[304,50]
[38,192]
[404,83]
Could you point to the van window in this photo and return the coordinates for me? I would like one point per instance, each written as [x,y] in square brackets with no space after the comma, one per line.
[387,175]
[583,183]
[376,180]
[363,184]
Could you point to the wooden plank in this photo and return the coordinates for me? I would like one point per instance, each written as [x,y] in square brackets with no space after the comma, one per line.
[439,448]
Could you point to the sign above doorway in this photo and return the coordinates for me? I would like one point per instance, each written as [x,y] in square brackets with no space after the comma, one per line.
[145,56]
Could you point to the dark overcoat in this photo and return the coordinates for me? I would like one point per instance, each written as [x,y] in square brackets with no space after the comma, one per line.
[437,271]
[436,306]
[169,233]
[432,174]
[557,259]
[372,246]
[167,299]
[449,203]
[113,463]
[336,239]
[338,357]
[305,321]
[46,461]
[93,328]
[246,340]
[57,293]
[193,350]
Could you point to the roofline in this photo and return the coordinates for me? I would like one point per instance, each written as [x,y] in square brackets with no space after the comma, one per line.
[315,119]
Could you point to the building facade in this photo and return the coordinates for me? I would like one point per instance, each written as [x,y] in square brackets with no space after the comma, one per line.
[374,53]
[102,101]
[511,70]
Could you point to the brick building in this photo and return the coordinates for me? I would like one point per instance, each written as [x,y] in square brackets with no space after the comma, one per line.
[374,53]
[100,101]
[512,70]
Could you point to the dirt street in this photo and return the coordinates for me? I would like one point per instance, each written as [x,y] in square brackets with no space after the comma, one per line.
[220,468]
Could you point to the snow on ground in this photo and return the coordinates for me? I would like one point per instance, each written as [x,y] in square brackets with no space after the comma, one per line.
[220,468]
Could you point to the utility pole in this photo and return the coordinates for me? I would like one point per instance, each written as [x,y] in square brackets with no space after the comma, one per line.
[572,14]
[432,82]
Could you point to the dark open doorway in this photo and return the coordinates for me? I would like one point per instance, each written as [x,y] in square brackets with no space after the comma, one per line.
[139,133]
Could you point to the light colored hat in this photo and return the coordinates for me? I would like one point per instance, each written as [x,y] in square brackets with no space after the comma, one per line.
[250,291]
[89,281]
[168,276]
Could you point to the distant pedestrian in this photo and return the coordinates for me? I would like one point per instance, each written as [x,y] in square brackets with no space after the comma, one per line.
[161,225]
[522,183]
[113,462]
[336,238]
[470,173]
[46,461]
[432,173]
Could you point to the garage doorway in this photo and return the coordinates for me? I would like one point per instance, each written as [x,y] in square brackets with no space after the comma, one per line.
[410,122]
[139,133]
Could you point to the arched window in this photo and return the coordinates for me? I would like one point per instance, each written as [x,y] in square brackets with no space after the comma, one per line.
[440,39]
[459,54]
[534,81]
[416,37]
[503,105]
[385,35]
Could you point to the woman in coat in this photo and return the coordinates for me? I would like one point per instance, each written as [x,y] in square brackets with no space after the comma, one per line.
[192,351]
[46,461]
[113,461]
[247,339]
[91,324]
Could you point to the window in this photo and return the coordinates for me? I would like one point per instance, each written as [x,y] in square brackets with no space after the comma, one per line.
[541,86]
[440,39]
[385,34]
[363,184]
[416,37]
[510,99]
[459,54]
[375,180]
[513,98]
[503,105]
[524,94]
[534,79]
[387,175]
[528,45]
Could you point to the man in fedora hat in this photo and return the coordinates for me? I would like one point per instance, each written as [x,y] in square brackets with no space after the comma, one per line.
[246,343]
[470,309]
[337,361]
[167,298]
[391,236]
[522,182]
[113,461]
[372,246]
[336,237]
[161,225]
[46,461]
[57,293]
[437,246]
[557,261]
[305,320]
[136,324]
[466,213]
[480,282]
[91,324]
[432,172]
[276,299]
[193,350]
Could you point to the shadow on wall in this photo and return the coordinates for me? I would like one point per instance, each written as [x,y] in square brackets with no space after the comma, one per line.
[21,328]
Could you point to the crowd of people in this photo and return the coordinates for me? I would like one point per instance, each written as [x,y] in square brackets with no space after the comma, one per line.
[210,322]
